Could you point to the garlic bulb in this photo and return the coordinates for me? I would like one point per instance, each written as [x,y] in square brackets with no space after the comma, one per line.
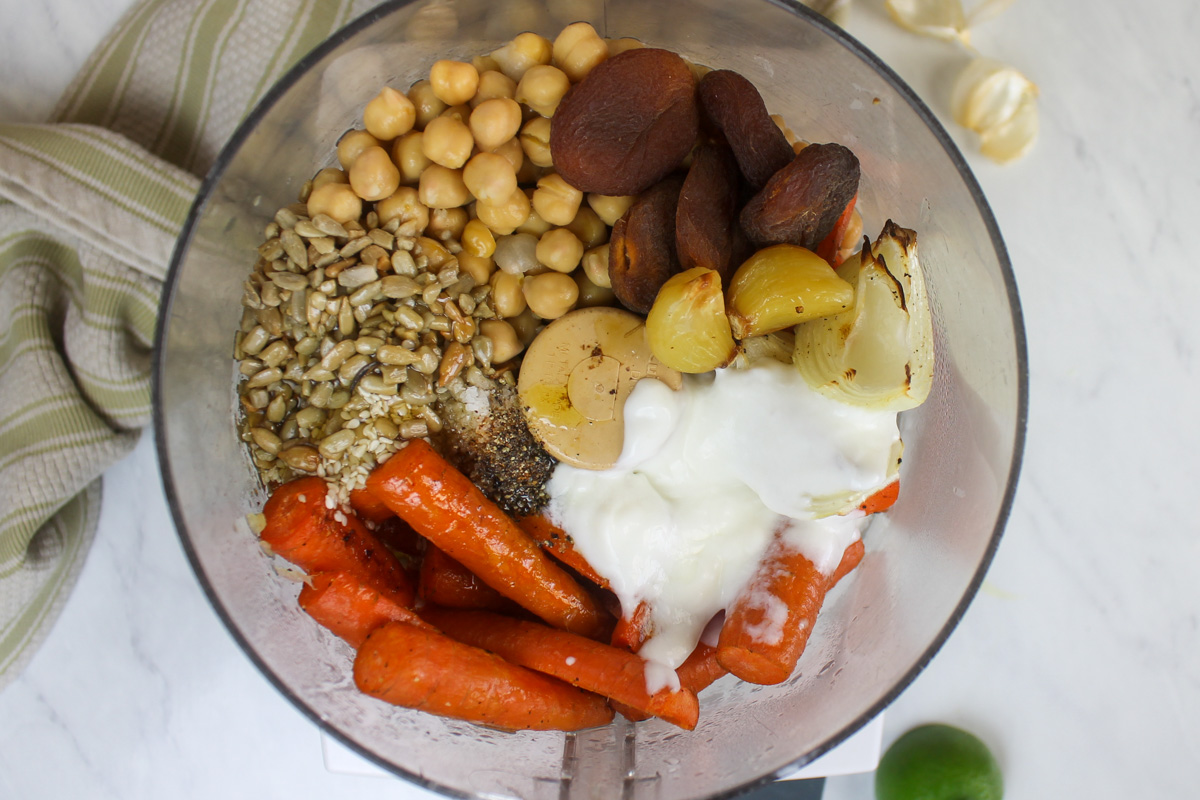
[879,352]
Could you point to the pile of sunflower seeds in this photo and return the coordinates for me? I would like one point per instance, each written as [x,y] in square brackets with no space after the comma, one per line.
[350,336]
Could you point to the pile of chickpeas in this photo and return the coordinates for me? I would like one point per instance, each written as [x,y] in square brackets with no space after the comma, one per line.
[464,157]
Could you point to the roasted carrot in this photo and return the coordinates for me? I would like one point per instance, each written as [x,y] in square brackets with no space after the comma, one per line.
[768,626]
[451,512]
[850,559]
[633,630]
[697,673]
[557,542]
[614,673]
[350,608]
[368,507]
[420,668]
[701,668]
[883,499]
[829,246]
[445,582]
[301,529]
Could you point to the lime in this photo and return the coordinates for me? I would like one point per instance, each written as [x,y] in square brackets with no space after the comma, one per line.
[938,762]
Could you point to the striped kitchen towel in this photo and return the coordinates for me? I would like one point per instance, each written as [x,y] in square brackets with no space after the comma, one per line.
[90,205]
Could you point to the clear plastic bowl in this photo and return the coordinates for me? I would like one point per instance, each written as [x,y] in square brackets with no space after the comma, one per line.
[925,559]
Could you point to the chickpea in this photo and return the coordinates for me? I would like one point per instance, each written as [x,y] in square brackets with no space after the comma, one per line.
[527,325]
[493,85]
[577,49]
[505,344]
[556,200]
[405,204]
[373,176]
[551,294]
[588,227]
[495,121]
[442,187]
[427,104]
[533,224]
[517,253]
[560,250]
[352,143]
[524,51]
[591,295]
[507,298]
[503,218]
[515,155]
[447,141]
[484,64]
[408,153]
[453,82]
[490,177]
[446,223]
[329,175]
[610,208]
[595,266]
[478,240]
[336,200]
[480,268]
[535,141]
[542,88]
[618,46]
[389,114]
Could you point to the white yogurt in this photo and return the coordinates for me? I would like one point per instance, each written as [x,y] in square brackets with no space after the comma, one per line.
[706,478]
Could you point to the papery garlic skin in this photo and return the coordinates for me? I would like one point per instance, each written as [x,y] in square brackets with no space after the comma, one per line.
[1000,104]
[941,19]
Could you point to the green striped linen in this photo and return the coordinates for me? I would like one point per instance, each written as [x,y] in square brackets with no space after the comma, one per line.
[90,205]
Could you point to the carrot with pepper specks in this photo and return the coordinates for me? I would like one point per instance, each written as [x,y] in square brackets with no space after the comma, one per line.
[349,608]
[558,543]
[419,668]
[445,507]
[591,665]
[302,529]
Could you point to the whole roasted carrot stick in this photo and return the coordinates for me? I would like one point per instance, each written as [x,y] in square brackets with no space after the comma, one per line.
[447,509]
[557,542]
[445,582]
[301,529]
[767,628]
[591,665]
[420,668]
[350,608]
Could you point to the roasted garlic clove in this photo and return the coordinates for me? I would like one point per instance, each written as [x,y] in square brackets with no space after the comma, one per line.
[781,286]
[687,327]
[879,352]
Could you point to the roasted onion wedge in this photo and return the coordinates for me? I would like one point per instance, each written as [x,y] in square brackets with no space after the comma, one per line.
[878,353]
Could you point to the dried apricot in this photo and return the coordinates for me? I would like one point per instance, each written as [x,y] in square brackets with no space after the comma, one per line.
[627,124]
[706,220]
[802,202]
[641,252]
[731,105]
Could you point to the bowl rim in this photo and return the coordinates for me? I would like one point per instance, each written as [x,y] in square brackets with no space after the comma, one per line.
[230,149]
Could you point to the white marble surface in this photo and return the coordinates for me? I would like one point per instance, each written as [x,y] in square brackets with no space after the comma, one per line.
[1078,662]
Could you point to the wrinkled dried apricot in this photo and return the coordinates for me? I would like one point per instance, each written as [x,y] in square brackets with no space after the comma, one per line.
[627,124]
[802,202]
[641,251]
[731,105]
[706,220]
